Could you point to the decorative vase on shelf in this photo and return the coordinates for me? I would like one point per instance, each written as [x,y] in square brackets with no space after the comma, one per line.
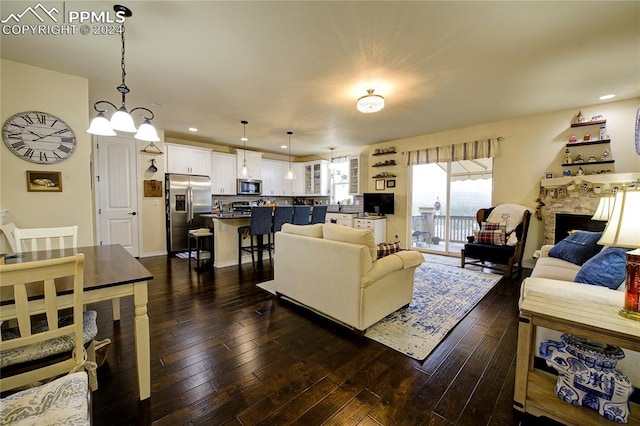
[587,375]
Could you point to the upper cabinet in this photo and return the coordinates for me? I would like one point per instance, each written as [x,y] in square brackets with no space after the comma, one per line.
[223,174]
[273,172]
[295,187]
[188,160]
[253,159]
[357,174]
[316,178]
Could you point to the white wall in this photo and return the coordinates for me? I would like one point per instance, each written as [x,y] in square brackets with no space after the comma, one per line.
[531,146]
[28,88]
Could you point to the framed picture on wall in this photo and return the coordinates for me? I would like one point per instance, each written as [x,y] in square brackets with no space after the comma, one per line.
[380,184]
[391,183]
[44,181]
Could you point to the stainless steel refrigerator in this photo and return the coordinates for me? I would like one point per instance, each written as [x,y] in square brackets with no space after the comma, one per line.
[186,198]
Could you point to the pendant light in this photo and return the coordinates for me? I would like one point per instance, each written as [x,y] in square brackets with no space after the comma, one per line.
[244,171]
[121,120]
[290,175]
[332,169]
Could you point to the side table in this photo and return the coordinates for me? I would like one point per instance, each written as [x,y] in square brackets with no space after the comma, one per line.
[203,246]
[534,391]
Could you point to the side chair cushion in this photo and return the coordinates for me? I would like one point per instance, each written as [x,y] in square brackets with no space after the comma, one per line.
[63,401]
[345,234]
[49,347]
[314,231]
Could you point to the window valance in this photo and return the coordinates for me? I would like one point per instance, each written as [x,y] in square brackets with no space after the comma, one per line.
[486,148]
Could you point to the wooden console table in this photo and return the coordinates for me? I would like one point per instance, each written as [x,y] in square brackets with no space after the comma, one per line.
[535,389]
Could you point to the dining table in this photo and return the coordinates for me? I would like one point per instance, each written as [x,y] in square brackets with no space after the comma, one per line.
[110,273]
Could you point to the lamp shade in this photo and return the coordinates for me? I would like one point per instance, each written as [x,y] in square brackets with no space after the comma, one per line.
[604,208]
[147,133]
[623,228]
[122,121]
[100,126]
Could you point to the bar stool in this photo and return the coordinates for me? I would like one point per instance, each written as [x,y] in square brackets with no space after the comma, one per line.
[281,215]
[318,214]
[199,238]
[301,215]
[259,226]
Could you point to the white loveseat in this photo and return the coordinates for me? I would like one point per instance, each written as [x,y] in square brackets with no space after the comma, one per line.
[332,270]
[552,276]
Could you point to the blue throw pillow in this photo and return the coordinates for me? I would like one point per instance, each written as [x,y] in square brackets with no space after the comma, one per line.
[607,268]
[577,248]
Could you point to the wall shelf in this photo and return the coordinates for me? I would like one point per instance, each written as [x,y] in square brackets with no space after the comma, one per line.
[588,123]
[585,143]
[384,153]
[587,163]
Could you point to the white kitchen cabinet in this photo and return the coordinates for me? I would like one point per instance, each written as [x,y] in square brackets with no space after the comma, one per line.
[357,175]
[188,160]
[295,187]
[344,219]
[316,178]
[223,174]
[273,172]
[379,227]
[254,160]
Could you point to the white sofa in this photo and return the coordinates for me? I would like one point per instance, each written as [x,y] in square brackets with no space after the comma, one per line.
[333,270]
[555,277]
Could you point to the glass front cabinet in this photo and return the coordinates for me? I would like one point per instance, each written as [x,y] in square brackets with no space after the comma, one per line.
[316,178]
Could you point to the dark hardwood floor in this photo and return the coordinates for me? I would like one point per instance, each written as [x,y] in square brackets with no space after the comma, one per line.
[224,351]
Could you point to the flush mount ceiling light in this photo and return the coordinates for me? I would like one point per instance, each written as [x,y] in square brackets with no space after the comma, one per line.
[244,171]
[370,103]
[290,175]
[121,120]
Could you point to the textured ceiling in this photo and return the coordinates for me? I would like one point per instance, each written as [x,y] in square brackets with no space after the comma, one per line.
[301,66]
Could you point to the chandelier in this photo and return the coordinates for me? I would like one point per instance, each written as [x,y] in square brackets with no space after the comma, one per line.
[244,171]
[370,102]
[121,120]
[290,175]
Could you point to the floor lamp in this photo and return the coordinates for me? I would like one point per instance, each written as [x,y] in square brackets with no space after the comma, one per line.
[623,230]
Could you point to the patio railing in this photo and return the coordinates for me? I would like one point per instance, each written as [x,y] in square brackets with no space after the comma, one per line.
[435,227]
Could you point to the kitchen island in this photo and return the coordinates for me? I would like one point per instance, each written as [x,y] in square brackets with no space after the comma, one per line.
[225,236]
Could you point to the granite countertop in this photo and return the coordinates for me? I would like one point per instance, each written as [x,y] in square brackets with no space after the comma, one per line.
[228,215]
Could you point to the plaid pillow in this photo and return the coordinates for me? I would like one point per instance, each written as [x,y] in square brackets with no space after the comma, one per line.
[385,249]
[491,226]
[494,236]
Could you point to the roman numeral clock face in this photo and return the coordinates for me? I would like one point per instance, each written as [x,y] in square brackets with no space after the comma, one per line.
[39,137]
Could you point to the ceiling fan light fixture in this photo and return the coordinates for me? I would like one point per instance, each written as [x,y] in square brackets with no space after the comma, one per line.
[370,103]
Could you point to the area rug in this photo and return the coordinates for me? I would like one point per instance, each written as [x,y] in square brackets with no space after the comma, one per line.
[442,296]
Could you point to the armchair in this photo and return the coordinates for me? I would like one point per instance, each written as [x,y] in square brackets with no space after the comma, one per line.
[505,258]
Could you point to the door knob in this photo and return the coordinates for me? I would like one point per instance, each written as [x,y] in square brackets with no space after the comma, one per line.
[133,213]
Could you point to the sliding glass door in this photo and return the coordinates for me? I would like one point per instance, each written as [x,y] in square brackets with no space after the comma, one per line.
[445,199]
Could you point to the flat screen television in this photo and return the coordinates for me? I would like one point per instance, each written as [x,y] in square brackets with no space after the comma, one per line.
[379,203]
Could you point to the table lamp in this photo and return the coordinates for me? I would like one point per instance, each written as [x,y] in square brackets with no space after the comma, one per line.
[603,211]
[623,230]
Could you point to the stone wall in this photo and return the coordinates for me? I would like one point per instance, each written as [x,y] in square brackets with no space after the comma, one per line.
[576,202]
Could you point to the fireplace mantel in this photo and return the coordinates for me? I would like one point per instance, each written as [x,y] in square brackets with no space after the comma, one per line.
[605,178]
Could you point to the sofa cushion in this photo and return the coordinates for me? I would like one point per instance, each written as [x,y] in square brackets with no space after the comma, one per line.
[577,248]
[314,231]
[364,237]
[607,268]
[555,269]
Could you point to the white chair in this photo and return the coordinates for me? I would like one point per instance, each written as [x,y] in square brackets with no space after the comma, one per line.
[8,229]
[39,349]
[35,239]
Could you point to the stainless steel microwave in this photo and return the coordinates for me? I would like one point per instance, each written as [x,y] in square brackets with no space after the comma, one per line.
[249,187]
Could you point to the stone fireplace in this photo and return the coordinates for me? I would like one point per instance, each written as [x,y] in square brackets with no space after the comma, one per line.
[574,212]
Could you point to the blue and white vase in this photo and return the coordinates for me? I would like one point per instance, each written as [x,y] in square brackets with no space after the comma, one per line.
[587,375]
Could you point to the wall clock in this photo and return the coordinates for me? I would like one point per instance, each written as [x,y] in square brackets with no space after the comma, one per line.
[39,137]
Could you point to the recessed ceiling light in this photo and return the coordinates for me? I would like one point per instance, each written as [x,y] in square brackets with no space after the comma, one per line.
[193,129]
[156,104]
[605,97]
[283,146]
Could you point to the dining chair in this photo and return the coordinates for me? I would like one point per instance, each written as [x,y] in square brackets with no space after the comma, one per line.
[34,239]
[259,226]
[301,215]
[47,341]
[318,214]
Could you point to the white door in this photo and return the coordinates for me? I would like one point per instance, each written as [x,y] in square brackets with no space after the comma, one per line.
[117,193]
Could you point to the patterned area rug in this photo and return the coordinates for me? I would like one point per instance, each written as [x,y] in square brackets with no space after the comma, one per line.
[442,296]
